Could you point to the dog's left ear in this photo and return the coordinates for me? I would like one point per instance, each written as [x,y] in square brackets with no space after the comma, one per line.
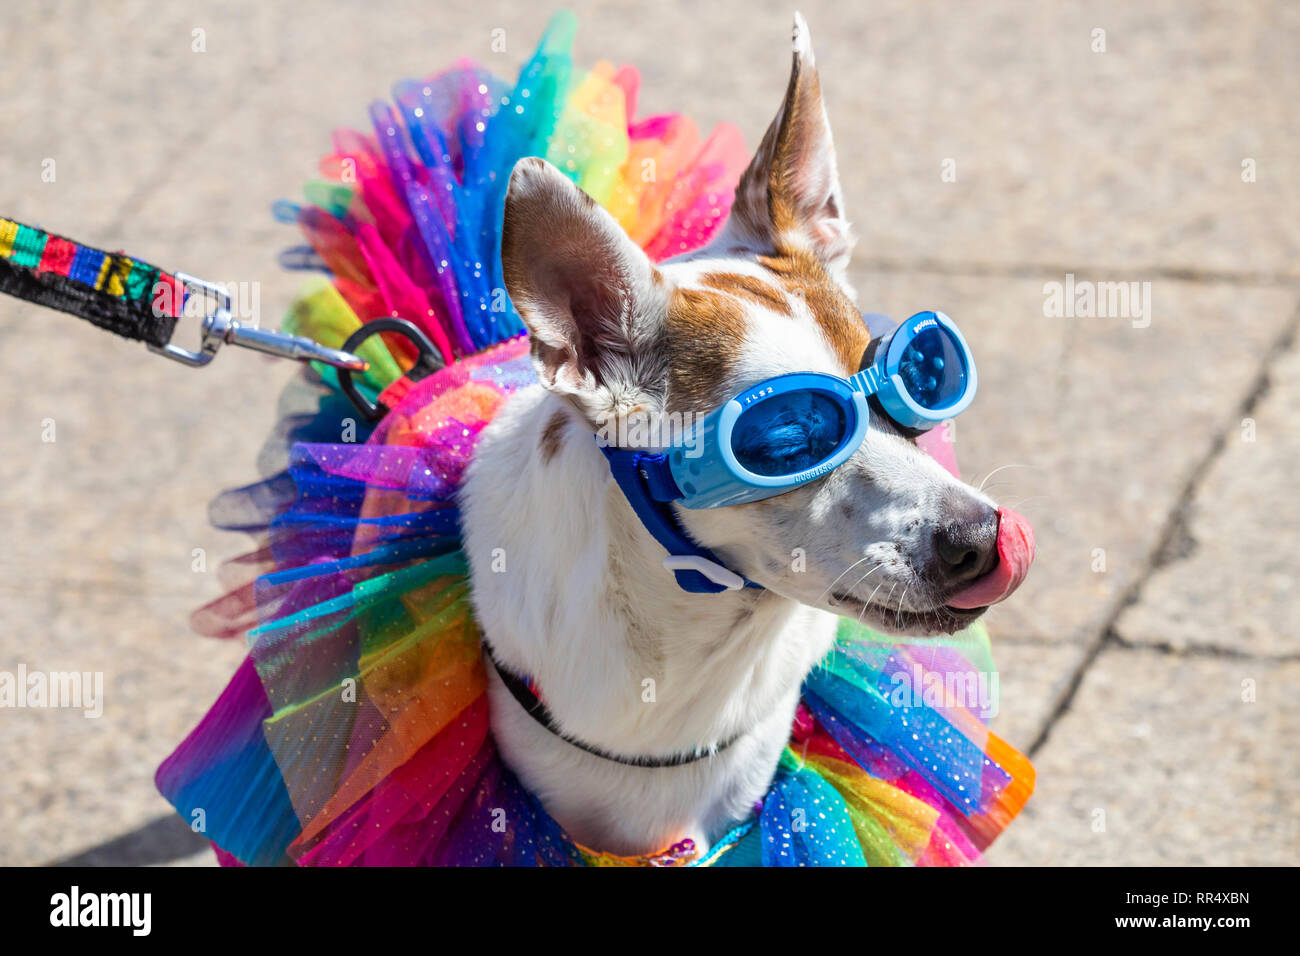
[790,194]
[593,302]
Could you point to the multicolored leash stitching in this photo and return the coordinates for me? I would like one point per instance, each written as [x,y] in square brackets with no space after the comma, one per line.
[126,296]
[136,300]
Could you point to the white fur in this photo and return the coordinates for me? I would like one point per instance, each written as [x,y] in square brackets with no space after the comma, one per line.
[625,660]
[585,607]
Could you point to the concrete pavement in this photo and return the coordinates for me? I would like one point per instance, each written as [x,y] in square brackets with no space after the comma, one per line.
[1149,663]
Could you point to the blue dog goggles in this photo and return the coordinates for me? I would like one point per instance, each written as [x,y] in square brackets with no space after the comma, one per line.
[789,430]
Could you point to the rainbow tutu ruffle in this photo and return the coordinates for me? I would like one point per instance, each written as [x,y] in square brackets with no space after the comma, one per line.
[356,731]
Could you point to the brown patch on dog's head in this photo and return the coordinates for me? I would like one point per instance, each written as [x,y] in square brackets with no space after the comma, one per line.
[552,436]
[705,333]
[802,275]
[750,289]
[706,328]
[616,335]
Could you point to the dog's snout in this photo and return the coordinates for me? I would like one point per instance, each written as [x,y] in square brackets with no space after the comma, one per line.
[966,543]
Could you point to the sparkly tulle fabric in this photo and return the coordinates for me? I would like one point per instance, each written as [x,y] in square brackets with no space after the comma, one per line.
[356,731]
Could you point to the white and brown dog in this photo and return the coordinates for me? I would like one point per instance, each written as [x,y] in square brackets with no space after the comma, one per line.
[587,609]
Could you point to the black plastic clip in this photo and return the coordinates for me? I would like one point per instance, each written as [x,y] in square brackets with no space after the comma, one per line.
[428,361]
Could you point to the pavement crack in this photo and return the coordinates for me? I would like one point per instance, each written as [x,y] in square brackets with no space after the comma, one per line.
[1180,545]
[1214,651]
[1167,542]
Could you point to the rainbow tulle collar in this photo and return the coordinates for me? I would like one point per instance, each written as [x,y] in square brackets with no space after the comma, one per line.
[356,730]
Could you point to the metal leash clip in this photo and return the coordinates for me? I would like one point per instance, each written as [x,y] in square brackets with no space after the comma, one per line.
[219,328]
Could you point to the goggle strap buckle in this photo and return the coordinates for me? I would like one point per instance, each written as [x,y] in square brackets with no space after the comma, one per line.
[643,478]
[715,572]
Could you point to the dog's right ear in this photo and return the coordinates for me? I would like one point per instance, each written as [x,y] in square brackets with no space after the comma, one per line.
[593,302]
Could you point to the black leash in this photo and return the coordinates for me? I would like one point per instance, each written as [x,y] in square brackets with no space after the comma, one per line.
[533,706]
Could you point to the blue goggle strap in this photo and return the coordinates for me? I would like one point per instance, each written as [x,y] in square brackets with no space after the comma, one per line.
[648,484]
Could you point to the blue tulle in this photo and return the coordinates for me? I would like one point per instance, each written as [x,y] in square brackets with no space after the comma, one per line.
[804,822]
[851,698]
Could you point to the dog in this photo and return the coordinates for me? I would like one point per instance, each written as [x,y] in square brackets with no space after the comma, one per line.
[625,661]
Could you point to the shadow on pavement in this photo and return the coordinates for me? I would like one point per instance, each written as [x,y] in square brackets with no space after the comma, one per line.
[163,840]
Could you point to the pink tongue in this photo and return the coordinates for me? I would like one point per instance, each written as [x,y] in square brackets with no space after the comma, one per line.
[1015,552]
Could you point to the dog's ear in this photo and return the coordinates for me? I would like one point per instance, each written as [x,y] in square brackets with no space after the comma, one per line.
[790,194]
[593,302]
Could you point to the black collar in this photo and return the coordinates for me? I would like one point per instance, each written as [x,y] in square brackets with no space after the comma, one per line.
[533,706]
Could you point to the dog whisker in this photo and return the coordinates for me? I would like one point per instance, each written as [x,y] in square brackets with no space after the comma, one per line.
[995,471]
[989,488]
[866,604]
[842,573]
[1020,501]
[890,596]
[867,575]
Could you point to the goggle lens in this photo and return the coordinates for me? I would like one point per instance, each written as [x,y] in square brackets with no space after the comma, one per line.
[932,369]
[789,433]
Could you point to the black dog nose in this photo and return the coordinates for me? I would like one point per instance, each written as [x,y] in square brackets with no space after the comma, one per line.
[966,543]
